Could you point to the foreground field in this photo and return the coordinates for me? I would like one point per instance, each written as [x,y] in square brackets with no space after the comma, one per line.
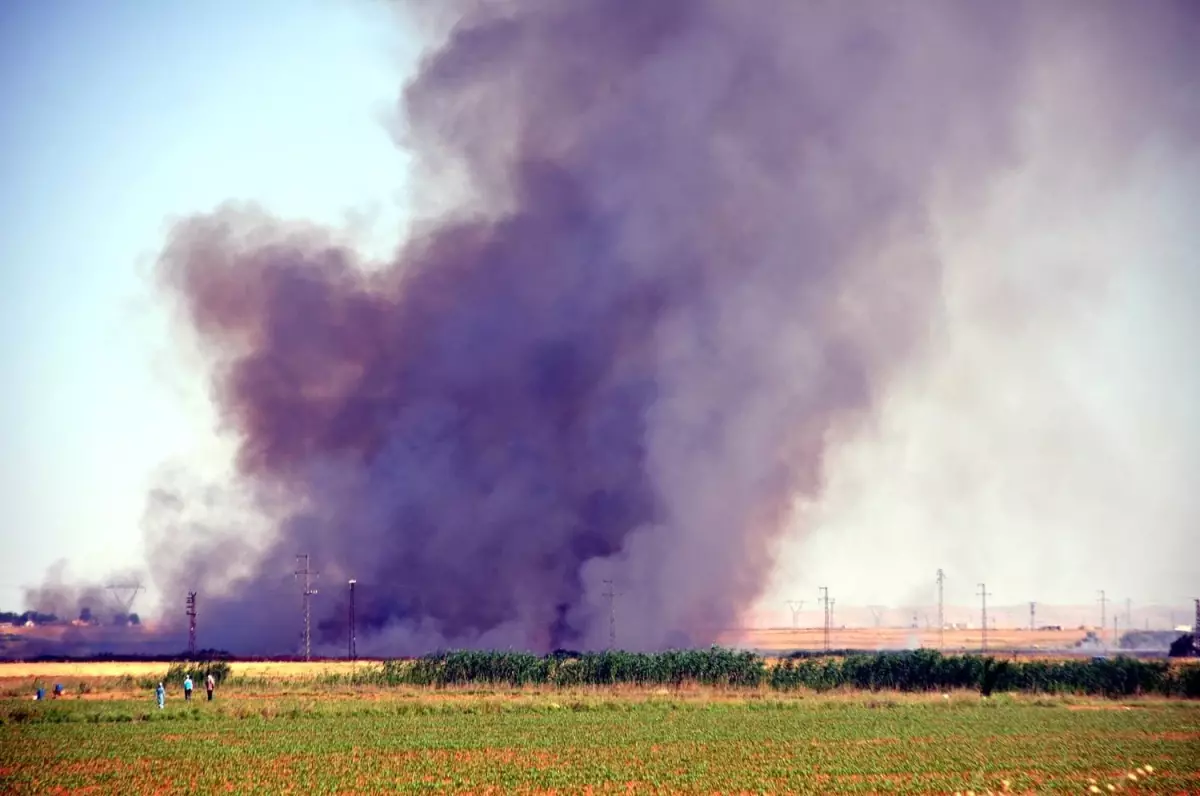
[551,741]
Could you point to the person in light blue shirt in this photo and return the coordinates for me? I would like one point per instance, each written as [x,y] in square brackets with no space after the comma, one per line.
[161,693]
[187,688]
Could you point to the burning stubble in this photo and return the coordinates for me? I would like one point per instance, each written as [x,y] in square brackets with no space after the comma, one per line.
[679,246]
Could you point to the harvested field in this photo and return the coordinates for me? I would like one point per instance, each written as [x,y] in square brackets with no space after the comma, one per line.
[86,669]
[882,638]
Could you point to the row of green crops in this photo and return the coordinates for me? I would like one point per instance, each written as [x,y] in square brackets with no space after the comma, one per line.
[715,666]
[198,672]
[928,670]
[917,670]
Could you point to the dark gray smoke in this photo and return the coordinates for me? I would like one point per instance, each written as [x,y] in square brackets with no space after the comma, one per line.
[674,247]
[68,598]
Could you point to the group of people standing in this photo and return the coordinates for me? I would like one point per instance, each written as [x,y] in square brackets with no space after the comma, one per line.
[209,685]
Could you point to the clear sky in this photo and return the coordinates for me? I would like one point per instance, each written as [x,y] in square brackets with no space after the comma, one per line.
[118,115]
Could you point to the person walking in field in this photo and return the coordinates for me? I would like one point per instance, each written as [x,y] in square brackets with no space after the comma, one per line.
[209,685]
[161,694]
[187,688]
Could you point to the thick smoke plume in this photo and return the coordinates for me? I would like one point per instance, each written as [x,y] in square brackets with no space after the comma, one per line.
[671,251]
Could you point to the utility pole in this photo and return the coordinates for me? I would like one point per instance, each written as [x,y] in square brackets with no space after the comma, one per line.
[941,581]
[825,631]
[1103,617]
[983,594]
[612,614]
[1196,630]
[796,607]
[1033,616]
[353,649]
[308,592]
[191,615]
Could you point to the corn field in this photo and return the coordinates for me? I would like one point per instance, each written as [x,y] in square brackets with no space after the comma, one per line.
[918,670]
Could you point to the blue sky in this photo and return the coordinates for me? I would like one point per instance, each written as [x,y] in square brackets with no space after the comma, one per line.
[117,116]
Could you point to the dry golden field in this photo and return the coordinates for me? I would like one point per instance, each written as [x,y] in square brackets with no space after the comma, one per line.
[282,670]
[901,638]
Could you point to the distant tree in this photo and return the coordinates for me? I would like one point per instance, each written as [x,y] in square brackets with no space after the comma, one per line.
[134,620]
[85,615]
[36,618]
[1182,646]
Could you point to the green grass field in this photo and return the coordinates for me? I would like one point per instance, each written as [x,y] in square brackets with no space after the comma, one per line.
[522,741]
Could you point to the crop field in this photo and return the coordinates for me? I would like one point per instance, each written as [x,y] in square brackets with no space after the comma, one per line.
[12,672]
[676,722]
[312,740]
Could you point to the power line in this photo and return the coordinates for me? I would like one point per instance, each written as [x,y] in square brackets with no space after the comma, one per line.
[796,607]
[353,649]
[876,614]
[941,580]
[308,592]
[1196,630]
[984,594]
[191,615]
[825,631]
[612,614]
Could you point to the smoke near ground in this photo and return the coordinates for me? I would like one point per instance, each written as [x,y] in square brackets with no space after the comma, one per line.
[673,254]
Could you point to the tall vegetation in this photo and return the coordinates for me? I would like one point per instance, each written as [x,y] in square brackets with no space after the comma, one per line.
[198,670]
[918,670]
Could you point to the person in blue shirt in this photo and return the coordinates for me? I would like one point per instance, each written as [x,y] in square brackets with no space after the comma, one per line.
[187,688]
[161,693]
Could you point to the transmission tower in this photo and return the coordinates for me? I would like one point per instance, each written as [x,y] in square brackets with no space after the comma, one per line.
[876,614]
[796,607]
[941,582]
[308,592]
[832,602]
[191,615]
[984,594]
[1196,630]
[124,594]
[825,628]
[1033,616]
[353,649]
[1103,617]
[611,596]
[1128,613]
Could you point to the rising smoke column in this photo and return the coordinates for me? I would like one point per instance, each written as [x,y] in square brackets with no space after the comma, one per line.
[678,245]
